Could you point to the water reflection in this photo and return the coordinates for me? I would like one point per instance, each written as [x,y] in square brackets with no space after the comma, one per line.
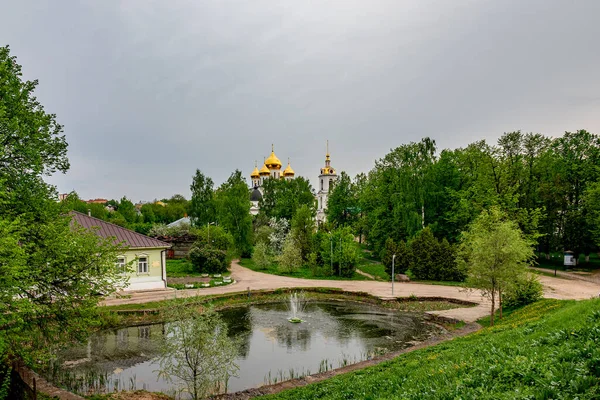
[269,344]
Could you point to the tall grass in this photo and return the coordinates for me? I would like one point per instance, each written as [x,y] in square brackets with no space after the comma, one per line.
[547,350]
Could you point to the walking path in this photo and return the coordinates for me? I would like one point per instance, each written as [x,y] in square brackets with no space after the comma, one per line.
[245,278]
[593,277]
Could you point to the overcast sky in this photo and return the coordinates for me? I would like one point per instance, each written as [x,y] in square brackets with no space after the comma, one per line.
[148,91]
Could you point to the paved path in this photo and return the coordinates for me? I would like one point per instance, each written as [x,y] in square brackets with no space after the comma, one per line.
[245,278]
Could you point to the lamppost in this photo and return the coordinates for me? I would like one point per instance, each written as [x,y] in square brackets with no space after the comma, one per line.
[331,256]
[208,224]
[393,260]
[340,261]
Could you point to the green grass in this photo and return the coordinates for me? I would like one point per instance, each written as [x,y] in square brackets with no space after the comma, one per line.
[375,269]
[547,350]
[303,272]
[556,262]
[180,268]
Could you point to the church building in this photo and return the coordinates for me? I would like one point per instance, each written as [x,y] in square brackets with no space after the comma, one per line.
[271,169]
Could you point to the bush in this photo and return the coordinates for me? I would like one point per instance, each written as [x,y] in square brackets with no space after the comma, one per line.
[208,259]
[338,249]
[403,257]
[260,256]
[525,290]
[434,260]
[290,259]
[219,239]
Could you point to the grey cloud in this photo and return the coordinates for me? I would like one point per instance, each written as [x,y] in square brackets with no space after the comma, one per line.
[150,91]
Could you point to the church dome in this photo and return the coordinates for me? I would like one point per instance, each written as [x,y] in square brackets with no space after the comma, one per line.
[255,173]
[264,170]
[288,171]
[256,195]
[273,162]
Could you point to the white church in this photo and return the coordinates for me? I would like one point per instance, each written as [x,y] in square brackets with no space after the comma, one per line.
[271,169]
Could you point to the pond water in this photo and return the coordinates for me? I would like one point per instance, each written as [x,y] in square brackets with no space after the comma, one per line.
[331,335]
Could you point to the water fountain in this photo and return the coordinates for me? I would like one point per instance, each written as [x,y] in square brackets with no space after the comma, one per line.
[296,304]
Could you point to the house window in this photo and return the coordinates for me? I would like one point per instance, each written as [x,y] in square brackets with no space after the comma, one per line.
[144,332]
[142,265]
[121,265]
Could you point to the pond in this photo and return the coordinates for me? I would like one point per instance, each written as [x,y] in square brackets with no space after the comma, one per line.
[332,334]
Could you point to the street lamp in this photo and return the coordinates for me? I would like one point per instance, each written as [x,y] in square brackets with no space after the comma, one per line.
[208,224]
[340,262]
[331,256]
[393,260]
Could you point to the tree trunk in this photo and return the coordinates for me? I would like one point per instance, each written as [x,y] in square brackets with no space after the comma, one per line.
[500,302]
[493,306]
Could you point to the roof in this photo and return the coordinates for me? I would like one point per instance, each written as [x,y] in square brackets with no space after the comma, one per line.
[256,195]
[180,221]
[122,235]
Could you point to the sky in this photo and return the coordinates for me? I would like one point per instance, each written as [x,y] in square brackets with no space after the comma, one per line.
[150,91]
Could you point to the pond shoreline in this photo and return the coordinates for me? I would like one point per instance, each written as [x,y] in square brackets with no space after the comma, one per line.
[469,328]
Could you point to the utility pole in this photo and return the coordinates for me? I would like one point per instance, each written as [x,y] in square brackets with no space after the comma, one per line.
[393,261]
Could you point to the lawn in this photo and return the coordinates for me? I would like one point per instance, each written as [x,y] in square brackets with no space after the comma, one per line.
[556,261]
[547,350]
[303,272]
[180,268]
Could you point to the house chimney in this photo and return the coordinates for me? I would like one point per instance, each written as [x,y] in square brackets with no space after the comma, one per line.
[89,212]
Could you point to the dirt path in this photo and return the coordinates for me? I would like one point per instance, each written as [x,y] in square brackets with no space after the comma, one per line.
[247,279]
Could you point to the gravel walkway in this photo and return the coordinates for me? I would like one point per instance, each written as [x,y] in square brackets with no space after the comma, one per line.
[245,278]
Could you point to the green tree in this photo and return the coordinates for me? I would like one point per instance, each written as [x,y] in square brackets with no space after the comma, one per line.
[127,210]
[340,252]
[290,259]
[214,236]
[196,350]
[261,256]
[148,213]
[592,205]
[303,227]
[495,253]
[51,272]
[202,205]
[209,260]
[342,204]
[233,212]
[403,258]
[282,197]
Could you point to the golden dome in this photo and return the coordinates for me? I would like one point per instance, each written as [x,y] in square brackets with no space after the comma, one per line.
[288,171]
[255,173]
[273,162]
[264,170]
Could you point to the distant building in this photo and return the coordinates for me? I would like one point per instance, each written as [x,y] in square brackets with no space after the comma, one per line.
[147,254]
[326,178]
[181,221]
[63,196]
[97,201]
[271,169]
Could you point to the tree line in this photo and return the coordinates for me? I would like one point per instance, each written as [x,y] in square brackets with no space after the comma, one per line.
[549,186]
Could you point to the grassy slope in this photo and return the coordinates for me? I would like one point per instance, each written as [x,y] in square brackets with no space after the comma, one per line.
[550,349]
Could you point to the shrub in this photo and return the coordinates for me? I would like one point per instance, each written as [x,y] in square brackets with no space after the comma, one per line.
[262,235]
[290,259]
[218,238]
[208,259]
[434,260]
[260,256]
[525,290]
[340,251]
[280,230]
[403,257]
